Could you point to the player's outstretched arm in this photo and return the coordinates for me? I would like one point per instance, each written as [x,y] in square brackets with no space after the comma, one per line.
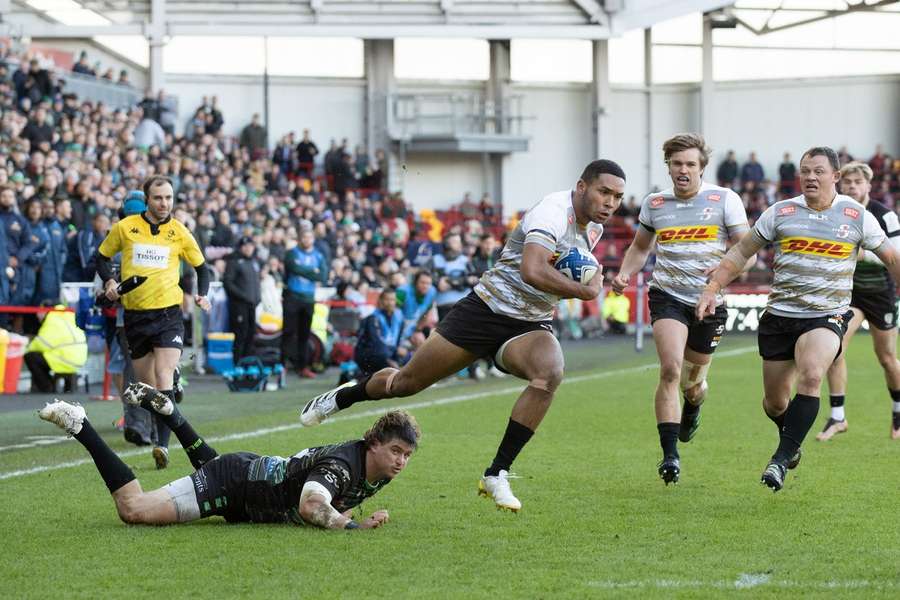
[635,258]
[730,267]
[538,272]
[316,509]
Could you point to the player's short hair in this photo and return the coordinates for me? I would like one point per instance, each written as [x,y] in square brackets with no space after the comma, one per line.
[825,151]
[397,424]
[153,181]
[857,167]
[420,274]
[686,141]
[601,167]
[387,290]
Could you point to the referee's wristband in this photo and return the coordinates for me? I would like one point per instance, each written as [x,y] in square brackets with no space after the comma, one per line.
[713,287]
[351,524]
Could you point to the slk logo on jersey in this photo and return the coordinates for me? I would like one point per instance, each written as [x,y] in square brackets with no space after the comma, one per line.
[714,197]
[700,233]
[657,202]
[818,217]
[786,210]
[851,212]
[826,248]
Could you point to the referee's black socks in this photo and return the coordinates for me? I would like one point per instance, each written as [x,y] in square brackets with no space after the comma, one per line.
[350,395]
[198,451]
[798,418]
[114,472]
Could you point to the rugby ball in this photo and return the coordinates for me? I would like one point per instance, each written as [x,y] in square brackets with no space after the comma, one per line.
[577,264]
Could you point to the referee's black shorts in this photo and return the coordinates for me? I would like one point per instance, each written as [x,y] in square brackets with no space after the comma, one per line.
[153,328]
[473,326]
[778,335]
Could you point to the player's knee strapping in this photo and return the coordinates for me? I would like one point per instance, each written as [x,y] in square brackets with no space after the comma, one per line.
[544,385]
[692,374]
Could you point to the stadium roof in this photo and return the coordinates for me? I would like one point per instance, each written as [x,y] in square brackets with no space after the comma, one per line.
[367,19]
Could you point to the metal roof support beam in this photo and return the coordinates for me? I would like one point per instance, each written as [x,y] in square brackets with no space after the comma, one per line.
[707,94]
[601,97]
[593,10]
[827,14]
[156,39]
[498,88]
[648,114]
[380,88]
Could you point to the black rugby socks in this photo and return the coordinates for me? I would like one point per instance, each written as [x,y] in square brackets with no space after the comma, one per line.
[668,438]
[198,451]
[798,418]
[350,395]
[114,472]
[514,439]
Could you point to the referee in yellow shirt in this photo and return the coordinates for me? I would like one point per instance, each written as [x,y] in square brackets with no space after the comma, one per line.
[152,244]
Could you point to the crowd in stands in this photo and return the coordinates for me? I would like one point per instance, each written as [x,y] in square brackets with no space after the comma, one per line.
[83,67]
[69,165]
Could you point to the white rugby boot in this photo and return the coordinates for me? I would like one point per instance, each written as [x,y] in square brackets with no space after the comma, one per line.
[497,487]
[64,415]
[322,406]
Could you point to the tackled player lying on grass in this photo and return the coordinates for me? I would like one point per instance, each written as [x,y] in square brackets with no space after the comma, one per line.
[318,486]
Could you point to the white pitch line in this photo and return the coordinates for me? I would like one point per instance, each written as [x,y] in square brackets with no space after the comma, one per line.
[745,581]
[365,414]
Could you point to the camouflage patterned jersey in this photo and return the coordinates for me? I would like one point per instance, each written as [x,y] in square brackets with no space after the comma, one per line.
[691,237]
[272,492]
[551,224]
[815,254]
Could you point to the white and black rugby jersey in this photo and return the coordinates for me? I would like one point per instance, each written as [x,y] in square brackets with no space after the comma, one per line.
[815,254]
[691,237]
[550,223]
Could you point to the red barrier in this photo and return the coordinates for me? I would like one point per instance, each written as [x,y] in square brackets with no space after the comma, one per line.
[31,310]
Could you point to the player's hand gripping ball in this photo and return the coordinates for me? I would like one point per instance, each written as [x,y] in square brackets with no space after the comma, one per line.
[577,264]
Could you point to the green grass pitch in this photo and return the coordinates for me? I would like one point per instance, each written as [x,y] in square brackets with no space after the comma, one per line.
[596,520]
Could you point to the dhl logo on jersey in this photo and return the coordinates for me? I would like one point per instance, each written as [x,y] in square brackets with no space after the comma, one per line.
[687,233]
[826,248]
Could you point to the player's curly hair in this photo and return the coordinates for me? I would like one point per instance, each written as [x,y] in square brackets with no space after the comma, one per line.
[686,141]
[397,424]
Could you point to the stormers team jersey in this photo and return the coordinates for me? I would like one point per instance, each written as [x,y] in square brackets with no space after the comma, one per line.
[815,254]
[158,257]
[872,277]
[274,484]
[551,224]
[691,237]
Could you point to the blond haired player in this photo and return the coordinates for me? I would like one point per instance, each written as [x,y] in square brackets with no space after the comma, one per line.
[689,224]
